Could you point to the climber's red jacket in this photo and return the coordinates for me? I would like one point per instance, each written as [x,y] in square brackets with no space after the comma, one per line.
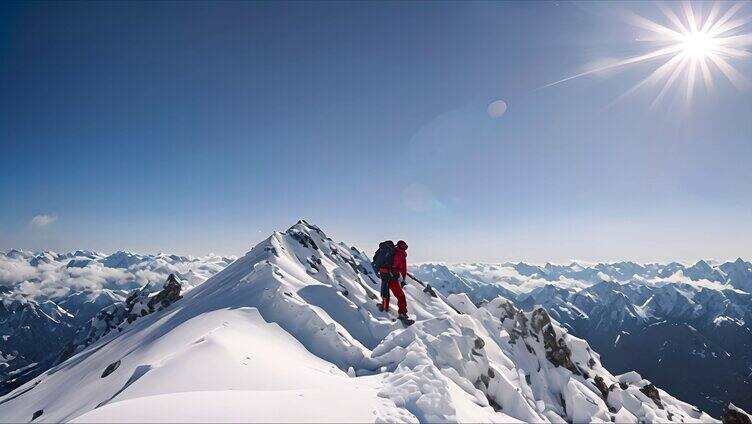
[400,259]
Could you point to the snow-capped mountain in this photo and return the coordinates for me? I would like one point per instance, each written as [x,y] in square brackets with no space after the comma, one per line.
[651,318]
[739,273]
[291,332]
[47,297]
[29,332]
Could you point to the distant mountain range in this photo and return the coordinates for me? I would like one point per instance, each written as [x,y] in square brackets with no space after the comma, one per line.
[658,319]
[292,331]
[661,320]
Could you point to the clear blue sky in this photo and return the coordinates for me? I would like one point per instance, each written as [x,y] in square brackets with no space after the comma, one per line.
[202,127]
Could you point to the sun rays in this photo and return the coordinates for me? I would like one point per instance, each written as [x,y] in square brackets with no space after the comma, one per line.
[689,50]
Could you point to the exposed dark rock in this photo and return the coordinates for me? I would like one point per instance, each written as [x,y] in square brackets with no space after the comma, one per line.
[105,321]
[496,407]
[601,385]
[651,391]
[557,351]
[139,303]
[37,414]
[314,262]
[733,415]
[508,308]
[302,238]
[623,386]
[539,319]
[479,343]
[520,325]
[169,294]
[485,379]
[111,368]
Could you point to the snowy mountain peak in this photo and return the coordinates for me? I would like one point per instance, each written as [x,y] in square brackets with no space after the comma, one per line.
[121,259]
[297,316]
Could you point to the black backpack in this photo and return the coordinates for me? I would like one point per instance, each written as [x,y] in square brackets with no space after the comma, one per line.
[384,256]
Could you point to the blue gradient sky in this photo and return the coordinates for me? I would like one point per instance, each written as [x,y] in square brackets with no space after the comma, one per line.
[202,127]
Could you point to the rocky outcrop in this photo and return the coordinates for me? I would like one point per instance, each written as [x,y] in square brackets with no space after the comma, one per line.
[111,368]
[557,351]
[108,319]
[600,384]
[302,238]
[170,293]
[735,415]
[139,303]
[651,391]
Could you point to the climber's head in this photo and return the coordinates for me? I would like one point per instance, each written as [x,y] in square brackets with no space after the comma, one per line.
[402,245]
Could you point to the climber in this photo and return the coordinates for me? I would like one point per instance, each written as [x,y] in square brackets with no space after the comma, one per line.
[393,278]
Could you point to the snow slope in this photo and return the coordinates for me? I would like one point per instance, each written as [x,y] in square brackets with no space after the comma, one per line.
[294,322]
[46,297]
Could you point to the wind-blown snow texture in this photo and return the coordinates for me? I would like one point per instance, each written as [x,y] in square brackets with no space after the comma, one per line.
[291,332]
[658,319]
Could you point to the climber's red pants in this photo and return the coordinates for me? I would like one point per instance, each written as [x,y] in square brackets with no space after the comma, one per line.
[396,288]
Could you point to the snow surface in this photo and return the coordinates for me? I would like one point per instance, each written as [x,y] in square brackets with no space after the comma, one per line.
[46,297]
[291,332]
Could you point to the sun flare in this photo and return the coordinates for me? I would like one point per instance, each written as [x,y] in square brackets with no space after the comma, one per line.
[697,45]
[692,46]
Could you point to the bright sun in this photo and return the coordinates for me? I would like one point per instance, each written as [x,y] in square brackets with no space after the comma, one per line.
[692,45]
[697,45]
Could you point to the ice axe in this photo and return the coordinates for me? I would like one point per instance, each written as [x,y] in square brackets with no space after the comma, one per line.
[426,287]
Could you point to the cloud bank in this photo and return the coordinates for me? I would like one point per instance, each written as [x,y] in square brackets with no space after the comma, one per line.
[50,275]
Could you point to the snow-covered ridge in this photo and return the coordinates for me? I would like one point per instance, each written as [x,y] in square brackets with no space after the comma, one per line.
[297,314]
[650,324]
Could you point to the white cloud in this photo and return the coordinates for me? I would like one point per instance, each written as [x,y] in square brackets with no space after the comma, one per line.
[43,220]
[52,278]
